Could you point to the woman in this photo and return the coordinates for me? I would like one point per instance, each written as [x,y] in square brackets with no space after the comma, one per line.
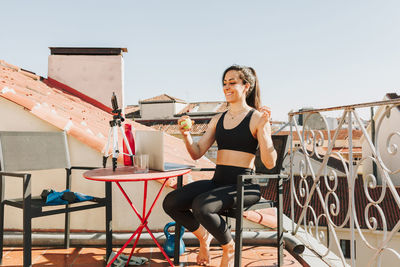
[239,131]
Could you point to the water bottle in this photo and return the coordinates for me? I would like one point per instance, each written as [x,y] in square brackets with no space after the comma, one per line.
[131,142]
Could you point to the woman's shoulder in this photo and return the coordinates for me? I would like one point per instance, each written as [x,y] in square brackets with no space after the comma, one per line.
[256,114]
[214,120]
[255,119]
[218,115]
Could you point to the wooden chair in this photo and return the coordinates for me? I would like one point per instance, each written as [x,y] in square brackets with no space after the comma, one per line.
[28,151]
[262,175]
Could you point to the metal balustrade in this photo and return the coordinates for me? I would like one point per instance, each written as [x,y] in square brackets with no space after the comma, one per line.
[317,203]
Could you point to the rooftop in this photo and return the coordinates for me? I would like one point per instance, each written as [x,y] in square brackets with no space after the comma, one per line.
[80,256]
[164,98]
[77,114]
[92,51]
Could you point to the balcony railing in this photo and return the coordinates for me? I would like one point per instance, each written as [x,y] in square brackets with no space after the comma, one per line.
[367,210]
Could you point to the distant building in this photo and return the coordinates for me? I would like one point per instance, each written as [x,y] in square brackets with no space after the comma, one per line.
[160,107]
[162,112]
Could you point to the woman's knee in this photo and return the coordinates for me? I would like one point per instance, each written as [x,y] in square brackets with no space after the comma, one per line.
[201,207]
[170,203]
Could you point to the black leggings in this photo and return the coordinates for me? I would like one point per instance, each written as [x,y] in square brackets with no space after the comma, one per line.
[200,202]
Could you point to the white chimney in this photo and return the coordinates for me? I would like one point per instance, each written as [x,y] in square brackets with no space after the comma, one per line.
[95,72]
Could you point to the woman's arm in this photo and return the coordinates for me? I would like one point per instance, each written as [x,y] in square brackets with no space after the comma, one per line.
[267,150]
[197,150]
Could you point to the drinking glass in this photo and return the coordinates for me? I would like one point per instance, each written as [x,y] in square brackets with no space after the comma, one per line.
[141,163]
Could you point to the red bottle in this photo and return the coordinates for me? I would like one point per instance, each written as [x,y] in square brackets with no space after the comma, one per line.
[131,142]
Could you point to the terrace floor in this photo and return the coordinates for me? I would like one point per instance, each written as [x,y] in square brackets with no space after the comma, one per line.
[90,256]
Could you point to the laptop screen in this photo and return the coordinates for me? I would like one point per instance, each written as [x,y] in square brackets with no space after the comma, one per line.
[152,143]
[280,147]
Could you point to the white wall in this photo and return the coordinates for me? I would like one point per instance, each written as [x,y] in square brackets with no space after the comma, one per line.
[157,111]
[179,107]
[19,119]
[389,125]
[151,111]
[95,76]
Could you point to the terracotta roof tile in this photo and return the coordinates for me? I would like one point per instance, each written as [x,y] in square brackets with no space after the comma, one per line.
[343,134]
[131,108]
[171,126]
[78,118]
[163,98]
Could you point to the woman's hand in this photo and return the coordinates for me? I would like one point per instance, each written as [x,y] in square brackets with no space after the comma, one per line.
[265,118]
[267,150]
[199,148]
[185,124]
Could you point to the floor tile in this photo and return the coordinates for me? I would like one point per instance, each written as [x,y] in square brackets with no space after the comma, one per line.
[94,257]
[57,257]
[14,256]
[90,256]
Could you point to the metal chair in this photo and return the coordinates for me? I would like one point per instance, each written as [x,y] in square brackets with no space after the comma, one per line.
[262,175]
[28,151]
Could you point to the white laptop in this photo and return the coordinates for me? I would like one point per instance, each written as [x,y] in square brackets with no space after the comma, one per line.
[152,143]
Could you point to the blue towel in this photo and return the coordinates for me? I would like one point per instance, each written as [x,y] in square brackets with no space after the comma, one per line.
[55,198]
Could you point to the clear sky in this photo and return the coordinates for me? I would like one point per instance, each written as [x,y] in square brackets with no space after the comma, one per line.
[307,53]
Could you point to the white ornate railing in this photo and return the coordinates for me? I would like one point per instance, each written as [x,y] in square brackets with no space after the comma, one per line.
[380,150]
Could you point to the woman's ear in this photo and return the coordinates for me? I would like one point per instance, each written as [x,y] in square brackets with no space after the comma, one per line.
[247,87]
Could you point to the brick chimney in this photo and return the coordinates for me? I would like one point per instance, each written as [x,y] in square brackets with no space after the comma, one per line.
[95,72]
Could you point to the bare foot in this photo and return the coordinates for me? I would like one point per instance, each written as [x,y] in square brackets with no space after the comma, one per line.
[203,258]
[228,255]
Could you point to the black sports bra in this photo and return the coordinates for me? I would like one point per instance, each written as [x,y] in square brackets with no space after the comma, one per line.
[238,138]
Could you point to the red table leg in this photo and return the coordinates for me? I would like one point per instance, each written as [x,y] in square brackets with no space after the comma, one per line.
[143,219]
[159,246]
[140,228]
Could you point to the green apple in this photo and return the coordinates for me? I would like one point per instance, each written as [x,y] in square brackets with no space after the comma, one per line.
[187,124]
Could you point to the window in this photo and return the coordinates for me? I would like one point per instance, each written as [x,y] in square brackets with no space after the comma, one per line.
[356,160]
[345,246]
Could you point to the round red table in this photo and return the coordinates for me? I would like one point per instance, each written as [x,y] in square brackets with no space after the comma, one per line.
[129,174]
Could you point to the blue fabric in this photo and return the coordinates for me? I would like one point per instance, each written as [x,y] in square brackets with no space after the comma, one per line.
[82,197]
[55,198]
